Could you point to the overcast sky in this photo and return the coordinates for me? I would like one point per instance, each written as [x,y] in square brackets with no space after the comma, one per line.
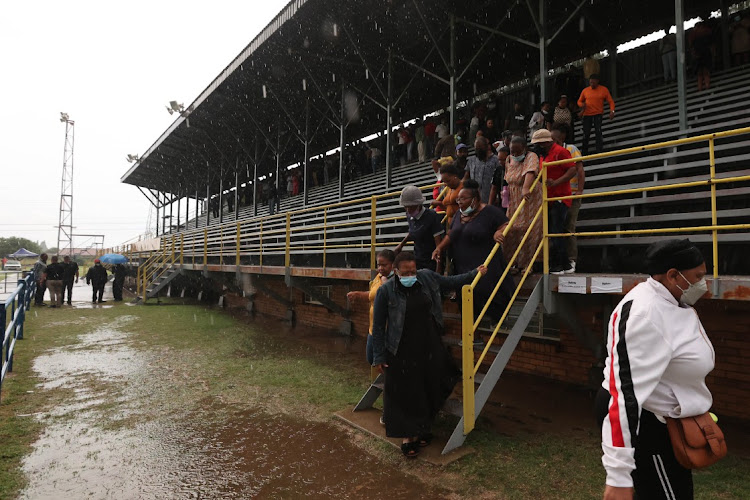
[112,66]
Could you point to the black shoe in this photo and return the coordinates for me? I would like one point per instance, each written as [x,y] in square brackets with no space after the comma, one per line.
[100,301]
[69,303]
[93,301]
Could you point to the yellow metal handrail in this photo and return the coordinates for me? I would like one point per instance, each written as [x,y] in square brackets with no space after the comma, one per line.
[469,326]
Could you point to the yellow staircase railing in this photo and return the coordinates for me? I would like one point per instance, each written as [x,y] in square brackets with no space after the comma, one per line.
[159,263]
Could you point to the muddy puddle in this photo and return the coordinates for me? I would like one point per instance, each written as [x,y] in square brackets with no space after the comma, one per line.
[116,434]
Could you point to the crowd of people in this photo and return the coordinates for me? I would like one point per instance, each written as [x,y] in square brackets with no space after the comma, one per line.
[59,277]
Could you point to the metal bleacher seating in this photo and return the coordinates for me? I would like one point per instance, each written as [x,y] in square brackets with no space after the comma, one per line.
[643,118]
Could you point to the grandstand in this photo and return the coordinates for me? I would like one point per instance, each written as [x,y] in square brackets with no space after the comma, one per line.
[283,100]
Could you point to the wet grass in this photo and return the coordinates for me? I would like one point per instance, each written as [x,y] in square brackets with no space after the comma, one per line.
[21,398]
[206,355]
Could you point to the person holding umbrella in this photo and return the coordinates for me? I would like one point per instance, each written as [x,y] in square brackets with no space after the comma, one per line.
[120,272]
[97,278]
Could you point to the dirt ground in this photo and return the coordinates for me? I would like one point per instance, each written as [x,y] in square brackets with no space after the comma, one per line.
[120,433]
[131,417]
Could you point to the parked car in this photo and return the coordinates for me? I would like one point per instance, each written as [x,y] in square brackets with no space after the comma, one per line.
[12,265]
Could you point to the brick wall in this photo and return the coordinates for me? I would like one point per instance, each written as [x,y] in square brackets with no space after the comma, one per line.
[727,324]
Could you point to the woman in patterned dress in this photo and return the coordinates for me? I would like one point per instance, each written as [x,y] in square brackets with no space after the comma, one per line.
[522,167]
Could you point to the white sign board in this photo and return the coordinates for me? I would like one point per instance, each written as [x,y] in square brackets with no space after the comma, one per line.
[604,284]
[571,284]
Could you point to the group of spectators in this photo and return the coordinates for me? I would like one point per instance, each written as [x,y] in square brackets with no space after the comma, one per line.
[59,277]
[452,237]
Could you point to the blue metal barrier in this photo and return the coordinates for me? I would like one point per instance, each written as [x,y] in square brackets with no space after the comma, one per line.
[12,316]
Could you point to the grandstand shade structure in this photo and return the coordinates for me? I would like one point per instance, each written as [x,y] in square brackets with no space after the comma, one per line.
[323,63]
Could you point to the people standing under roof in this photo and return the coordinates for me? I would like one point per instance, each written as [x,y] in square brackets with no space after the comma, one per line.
[516,121]
[481,167]
[562,115]
[384,262]
[591,103]
[658,357]
[558,184]
[406,330]
[498,179]
[425,227]
[522,167]
[70,274]
[542,118]
[474,231]
[451,178]
[577,182]
[97,278]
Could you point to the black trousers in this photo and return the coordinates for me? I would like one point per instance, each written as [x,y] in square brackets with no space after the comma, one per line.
[657,473]
[39,295]
[558,212]
[98,291]
[596,121]
[67,287]
[117,288]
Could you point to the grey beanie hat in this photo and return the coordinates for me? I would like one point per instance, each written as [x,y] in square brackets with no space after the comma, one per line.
[410,196]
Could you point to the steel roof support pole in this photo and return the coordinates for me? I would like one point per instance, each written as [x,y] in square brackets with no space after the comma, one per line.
[679,17]
[305,167]
[388,132]
[255,177]
[179,199]
[613,69]
[724,22]
[171,206]
[341,141]
[197,204]
[278,157]
[221,193]
[542,26]
[452,79]
[208,196]
[237,188]
[157,213]
[187,208]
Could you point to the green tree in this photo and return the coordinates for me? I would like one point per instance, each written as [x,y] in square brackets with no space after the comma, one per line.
[10,245]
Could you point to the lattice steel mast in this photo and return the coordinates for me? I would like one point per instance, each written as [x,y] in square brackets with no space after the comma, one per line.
[65,226]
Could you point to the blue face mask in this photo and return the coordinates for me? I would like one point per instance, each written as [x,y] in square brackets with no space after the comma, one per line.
[519,158]
[467,210]
[408,281]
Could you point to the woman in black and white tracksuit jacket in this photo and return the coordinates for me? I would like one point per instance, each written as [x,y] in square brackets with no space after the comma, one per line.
[658,359]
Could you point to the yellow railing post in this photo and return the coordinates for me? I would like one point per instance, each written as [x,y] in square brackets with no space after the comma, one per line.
[193,238]
[145,285]
[221,245]
[261,243]
[325,234]
[545,220]
[173,245]
[237,260]
[373,230]
[467,355]
[182,250]
[287,258]
[205,247]
[714,216]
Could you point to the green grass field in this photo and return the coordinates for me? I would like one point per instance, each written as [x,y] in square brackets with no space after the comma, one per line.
[244,364]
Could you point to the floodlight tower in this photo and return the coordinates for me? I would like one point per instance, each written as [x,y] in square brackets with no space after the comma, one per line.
[65,227]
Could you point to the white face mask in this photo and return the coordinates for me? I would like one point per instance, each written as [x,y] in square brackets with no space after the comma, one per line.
[694,291]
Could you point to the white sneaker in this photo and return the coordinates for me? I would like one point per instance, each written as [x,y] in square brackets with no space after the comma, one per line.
[572,267]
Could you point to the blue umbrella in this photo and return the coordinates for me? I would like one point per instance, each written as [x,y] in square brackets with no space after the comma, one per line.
[113,258]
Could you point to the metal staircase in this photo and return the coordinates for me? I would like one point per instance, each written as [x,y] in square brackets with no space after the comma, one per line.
[156,272]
